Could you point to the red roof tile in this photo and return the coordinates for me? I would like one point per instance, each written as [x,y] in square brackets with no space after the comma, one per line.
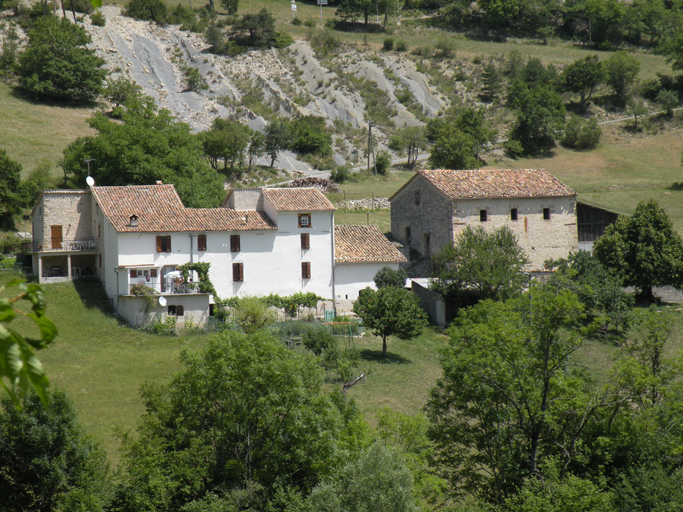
[298,199]
[358,244]
[159,209]
[495,183]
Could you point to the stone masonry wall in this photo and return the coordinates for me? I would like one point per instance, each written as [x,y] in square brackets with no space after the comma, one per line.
[425,211]
[69,209]
[541,239]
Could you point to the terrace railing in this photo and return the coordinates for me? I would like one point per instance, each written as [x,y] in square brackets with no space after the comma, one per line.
[62,245]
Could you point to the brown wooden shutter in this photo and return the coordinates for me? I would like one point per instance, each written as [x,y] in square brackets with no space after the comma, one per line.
[306,270]
[133,273]
[305,241]
[235,243]
[168,244]
[153,273]
[201,242]
[158,244]
[237,272]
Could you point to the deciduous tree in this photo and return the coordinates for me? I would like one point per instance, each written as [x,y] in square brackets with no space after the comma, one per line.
[148,145]
[582,77]
[47,462]
[390,311]
[508,398]
[621,70]
[643,249]
[488,264]
[57,64]
[244,412]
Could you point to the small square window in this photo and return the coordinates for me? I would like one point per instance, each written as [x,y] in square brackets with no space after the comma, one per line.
[483,216]
[176,310]
[513,214]
[546,213]
[304,220]
[163,244]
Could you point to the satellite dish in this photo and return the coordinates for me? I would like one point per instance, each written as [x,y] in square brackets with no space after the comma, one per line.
[90,181]
[162,301]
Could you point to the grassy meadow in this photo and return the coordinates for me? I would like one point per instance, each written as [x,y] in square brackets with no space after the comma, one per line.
[101,364]
[33,132]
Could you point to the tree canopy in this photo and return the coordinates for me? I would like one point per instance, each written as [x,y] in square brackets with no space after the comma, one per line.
[643,249]
[390,311]
[246,413]
[583,76]
[148,145]
[57,65]
[502,404]
[47,462]
[488,265]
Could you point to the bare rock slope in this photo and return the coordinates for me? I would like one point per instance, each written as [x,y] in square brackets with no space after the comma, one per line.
[291,82]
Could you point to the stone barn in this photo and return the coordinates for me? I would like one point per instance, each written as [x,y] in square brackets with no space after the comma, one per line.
[435,206]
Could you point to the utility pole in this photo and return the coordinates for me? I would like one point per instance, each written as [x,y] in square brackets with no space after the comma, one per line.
[369,142]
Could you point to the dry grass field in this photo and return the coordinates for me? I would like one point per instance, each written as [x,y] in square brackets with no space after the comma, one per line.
[32,132]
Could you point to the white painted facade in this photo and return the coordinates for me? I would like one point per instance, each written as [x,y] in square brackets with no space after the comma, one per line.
[351,278]
[274,260]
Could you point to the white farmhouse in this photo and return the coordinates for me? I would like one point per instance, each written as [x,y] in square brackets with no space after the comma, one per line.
[261,241]
[435,206]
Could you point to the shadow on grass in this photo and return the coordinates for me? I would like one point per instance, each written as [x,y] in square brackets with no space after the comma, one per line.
[92,293]
[20,94]
[375,356]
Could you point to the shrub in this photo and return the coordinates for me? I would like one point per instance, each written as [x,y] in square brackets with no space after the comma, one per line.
[7,263]
[668,100]
[650,88]
[341,174]
[445,48]
[582,134]
[283,40]
[148,10]
[401,46]
[388,44]
[309,23]
[318,340]
[181,15]
[98,19]
[395,143]
[83,6]
[514,148]
[383,163]
[296,22]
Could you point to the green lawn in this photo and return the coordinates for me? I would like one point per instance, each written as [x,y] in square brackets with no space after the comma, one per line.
[401,381]
[100,363]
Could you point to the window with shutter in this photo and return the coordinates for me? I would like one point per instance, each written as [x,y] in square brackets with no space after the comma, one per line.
[201,242]
[235,243]
[163,244]
[237,272]
[153,273]
[306,270]
[305,241]
[133,273]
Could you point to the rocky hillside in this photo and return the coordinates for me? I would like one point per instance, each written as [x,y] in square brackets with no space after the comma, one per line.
[293,81]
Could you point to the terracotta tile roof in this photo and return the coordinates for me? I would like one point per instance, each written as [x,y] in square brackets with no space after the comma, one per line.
[159,209]
[298,199]
[494,183]
[358,244]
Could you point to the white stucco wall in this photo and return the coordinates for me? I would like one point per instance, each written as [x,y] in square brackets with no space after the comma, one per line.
[350,278]
[271,259]
[132,310]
